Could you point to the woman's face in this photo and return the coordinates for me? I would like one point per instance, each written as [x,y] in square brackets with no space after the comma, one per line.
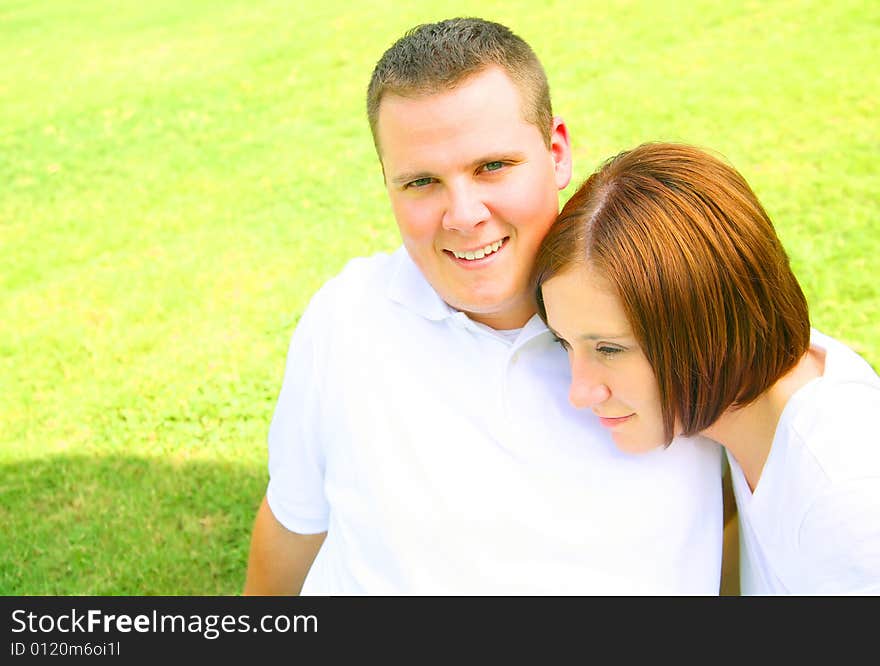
[609,372]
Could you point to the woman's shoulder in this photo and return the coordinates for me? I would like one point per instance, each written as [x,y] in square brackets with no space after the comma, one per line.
[843,365]
[835,421]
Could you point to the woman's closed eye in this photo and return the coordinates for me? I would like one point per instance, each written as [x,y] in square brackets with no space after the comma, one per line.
[562,343]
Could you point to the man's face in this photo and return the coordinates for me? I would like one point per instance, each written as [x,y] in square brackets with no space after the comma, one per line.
[474,189]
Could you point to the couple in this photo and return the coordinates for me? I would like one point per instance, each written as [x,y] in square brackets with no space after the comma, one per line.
[432,436]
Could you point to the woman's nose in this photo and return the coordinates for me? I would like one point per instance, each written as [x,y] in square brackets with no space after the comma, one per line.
[587,387]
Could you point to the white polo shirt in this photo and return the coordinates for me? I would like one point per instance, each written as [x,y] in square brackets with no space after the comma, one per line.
[442,458]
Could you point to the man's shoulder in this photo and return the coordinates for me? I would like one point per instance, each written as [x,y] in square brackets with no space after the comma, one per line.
[378,267]
[361,281]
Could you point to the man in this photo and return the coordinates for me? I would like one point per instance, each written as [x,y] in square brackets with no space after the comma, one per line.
[423,442]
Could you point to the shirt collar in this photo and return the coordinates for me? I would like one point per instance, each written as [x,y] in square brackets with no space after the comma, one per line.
[409,288]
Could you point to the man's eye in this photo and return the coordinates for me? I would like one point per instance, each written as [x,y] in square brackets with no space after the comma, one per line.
[419,182]
[493,166]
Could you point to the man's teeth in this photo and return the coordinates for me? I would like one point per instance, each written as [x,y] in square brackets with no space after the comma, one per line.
[479,254]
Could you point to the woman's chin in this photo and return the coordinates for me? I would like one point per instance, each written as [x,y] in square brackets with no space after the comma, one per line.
[634,445]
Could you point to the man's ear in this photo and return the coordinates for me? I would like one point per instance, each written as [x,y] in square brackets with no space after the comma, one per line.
[560,147]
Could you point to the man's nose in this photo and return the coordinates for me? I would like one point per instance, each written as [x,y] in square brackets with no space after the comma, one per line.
[465,209]
[588,388]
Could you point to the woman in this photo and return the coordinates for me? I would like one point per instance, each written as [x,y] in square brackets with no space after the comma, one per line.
[664,279]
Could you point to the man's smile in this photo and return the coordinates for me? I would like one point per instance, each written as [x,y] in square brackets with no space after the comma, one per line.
[479,254]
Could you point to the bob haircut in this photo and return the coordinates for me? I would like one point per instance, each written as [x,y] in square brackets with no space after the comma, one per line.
[435,57]
[703,278]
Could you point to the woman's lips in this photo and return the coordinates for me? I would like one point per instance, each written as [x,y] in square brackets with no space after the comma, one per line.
[614,421]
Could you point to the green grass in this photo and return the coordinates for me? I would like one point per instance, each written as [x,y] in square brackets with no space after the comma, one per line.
[176,179]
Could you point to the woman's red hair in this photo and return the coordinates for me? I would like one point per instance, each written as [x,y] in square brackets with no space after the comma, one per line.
[704,280]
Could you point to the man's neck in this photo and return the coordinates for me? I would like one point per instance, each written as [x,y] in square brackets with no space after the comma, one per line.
[504,321]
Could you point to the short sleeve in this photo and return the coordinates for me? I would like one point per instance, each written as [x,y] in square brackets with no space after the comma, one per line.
[296,457]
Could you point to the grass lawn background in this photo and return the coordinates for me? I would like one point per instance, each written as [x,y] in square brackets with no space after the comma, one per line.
[176,179]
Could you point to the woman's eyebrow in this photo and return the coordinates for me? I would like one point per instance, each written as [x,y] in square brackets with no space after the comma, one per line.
[592,336]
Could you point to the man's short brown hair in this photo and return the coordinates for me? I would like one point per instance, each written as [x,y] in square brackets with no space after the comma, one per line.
[435,57]
[703,278]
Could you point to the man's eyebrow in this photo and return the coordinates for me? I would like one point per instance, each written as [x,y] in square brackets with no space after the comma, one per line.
[404,178]
[499,156]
